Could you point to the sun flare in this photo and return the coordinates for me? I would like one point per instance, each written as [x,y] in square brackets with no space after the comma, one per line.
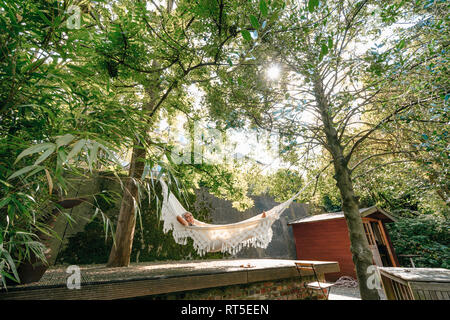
[273,72]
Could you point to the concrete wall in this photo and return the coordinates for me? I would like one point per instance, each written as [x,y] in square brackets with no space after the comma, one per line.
[81,214]
[283,242]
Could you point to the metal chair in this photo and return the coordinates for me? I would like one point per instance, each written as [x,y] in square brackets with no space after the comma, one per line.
[316,285]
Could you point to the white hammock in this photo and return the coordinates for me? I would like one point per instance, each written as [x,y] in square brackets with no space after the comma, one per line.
[231,238]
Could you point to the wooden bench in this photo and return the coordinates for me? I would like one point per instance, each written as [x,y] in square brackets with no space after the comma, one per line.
[316,285]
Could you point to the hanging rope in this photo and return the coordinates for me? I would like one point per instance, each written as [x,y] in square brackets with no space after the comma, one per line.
[346,282]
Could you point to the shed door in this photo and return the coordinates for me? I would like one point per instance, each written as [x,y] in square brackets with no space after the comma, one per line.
[372,243]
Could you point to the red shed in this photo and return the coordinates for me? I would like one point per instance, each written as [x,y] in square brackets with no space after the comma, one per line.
[325,237]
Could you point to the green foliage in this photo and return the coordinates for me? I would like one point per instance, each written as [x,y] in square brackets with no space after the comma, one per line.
[281,184]
[329,205]
[55,115]
[427,236]
[72,100]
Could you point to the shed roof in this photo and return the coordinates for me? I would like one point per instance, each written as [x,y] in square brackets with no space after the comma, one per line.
[374,210]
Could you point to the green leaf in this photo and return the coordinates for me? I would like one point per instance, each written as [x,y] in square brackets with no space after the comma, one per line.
[43,17]
[324,49]
[34,149]
[93,154]
[6,184]
[109,152]
[12,16]
[76,149]
[312,4]
[263,8]
[246,35]
[78,69]
[22,171]
[6,275]
[11,263]
[39,168]
[32,65]
[45,155]
[62,155]
[4,202]
[254,21]
[64,140]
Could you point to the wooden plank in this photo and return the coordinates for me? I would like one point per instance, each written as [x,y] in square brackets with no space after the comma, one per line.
[385,239]
[431,292]
[365,219]
[304,265]
[409,294]
[403,291]
[433,295]
[324,267]
[180,281]
[391,276]
[433,286]
[367,232]
[376,255]
[388,289]
[440,275]
[398,291]
[396,264]
[427,295]
[420,295]
[130,289]
[267,274]
[444,295]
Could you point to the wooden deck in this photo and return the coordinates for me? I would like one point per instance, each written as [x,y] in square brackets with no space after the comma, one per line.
[416,283]
[143,279]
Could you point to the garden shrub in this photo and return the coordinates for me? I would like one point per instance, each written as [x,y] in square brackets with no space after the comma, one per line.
[427,236]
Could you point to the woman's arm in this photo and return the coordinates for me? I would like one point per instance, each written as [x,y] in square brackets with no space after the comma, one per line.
[182,221]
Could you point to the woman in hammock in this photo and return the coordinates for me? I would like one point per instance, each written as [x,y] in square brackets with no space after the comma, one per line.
[187,218]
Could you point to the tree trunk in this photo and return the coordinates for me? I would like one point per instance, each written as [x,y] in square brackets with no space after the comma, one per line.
[121,250]
[359,246]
